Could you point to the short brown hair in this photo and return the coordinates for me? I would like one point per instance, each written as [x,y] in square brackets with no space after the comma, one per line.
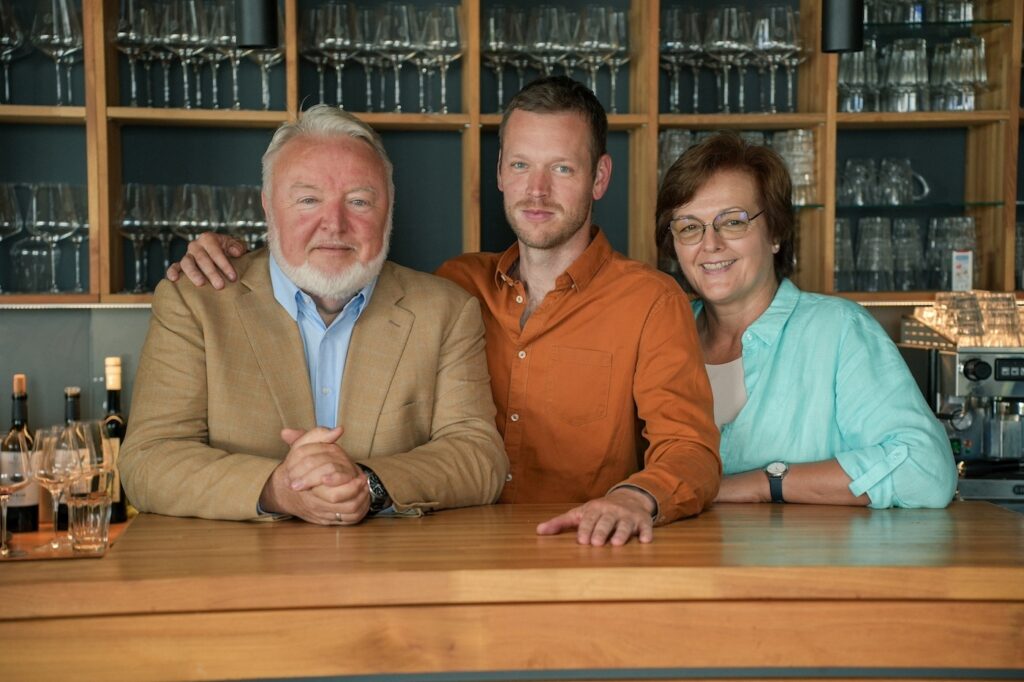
[560,94]
[728,151]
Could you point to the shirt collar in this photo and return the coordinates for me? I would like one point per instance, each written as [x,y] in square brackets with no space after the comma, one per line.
[769,325]
[291,297]
[580,273]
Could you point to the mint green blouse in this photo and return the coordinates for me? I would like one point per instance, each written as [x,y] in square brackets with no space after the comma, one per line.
[825,381]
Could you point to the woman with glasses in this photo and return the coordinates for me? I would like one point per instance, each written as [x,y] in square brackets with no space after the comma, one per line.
[814,402]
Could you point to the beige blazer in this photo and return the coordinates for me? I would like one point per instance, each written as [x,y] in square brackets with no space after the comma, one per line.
[222,373]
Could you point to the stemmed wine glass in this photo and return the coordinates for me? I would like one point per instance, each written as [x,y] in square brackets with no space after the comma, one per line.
[184,29]
[227,44]
[795,58]
[10,214]
[12,38]
[333,34]
[594,42]
[80,234]
[394,42]
[56,461]
[443,39]
[496,51]
[774,38]
[266,58]
[314,39]
[214,37]
[727,40]
[15,474]
[138,211]
[618,35]
[134,29]
[57,32]
[50,217]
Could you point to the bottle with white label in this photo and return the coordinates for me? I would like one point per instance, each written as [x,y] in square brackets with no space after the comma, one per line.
[114,428]
[23,505]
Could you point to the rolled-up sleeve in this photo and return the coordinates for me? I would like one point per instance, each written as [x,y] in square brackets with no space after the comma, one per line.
[895,450]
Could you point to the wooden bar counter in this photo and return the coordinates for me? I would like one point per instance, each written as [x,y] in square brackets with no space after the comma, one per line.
[741,591]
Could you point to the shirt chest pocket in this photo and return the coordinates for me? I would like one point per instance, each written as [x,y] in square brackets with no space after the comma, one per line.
[577,384]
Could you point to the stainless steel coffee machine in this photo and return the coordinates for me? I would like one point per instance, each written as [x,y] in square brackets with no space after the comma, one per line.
[972,375]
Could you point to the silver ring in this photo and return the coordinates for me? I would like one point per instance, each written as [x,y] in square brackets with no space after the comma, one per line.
[337,517]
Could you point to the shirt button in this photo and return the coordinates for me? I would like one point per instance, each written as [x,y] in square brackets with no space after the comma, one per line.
[522,354]
[325,391]
[519,299]
[508,478]
[514,417]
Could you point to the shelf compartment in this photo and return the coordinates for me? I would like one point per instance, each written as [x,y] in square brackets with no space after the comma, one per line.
[28,113]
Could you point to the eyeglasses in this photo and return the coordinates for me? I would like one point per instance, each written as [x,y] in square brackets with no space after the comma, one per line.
[688,231]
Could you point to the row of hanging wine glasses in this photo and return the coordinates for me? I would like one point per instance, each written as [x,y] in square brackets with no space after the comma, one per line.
[197,34]
[164,212]
[382,39]
[56,31]
[49,216]
[728,37]
[549,36]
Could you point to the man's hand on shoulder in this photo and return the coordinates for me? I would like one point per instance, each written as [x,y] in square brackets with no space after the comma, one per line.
[317,481]
[614,519]
[207,260]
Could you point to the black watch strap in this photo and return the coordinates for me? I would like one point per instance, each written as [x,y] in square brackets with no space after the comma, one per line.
[775,487]
[379,498]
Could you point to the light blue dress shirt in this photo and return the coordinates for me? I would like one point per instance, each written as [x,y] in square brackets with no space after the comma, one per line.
[825,381]
[326,347]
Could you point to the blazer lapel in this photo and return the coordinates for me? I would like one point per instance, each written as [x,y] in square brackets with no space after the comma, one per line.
[378,341]
[277,345]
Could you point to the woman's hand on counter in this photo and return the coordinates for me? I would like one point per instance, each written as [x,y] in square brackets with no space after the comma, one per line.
[822,482]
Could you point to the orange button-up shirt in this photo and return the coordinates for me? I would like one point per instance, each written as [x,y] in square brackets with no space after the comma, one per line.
[609,355]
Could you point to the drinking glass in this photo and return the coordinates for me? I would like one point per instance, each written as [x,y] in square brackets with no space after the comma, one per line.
[132,38]
[138,224]
[544,35]
[496,52]
[184,28]
[315,40]
[267,58]
[15,474]
[448,44]
[51,217]
[30,265]
[774,40]
[845,268]
[795,58]
[80,234]
[10,214]
[193,211]
[858,79]
[56,460]
[594,41]
[874,254]
[12,38]
[618,34]
[215,36]
[394,43]
[859,183]
[727,39]
[57,33]
[227,44]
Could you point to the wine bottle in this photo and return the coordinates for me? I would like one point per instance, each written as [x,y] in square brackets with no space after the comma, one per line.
[72,413]
[114,427]
[23,505]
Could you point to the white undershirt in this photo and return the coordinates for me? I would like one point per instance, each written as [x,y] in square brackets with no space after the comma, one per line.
[728,390]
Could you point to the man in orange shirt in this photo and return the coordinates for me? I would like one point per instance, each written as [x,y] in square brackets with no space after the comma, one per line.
[595,365]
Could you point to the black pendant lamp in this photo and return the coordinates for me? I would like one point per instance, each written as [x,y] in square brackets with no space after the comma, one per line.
[842,25]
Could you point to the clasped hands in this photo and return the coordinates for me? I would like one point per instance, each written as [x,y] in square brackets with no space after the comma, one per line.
[317,481]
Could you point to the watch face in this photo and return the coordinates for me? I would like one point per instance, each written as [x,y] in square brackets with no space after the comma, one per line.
[776,469]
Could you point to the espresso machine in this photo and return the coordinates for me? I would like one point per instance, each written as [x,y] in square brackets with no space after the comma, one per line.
[967,356]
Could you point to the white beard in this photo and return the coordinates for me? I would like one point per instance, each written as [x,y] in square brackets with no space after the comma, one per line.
[333,286]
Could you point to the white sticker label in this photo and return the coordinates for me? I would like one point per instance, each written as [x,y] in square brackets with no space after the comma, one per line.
[963,271]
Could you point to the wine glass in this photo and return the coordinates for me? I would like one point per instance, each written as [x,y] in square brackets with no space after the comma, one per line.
[10,214]
[56,460]
[137,224]
[332,32]
[131,37]
[50,216]
[443,39]
[618,35]
[774,39]
[394,42]
[314,39]
[12,38]
[214,37]
[184,31]
[594,42]
[80,234]
[266,58]
[15,474]
[727,40]
[57,32]
[496,51]
[227,43]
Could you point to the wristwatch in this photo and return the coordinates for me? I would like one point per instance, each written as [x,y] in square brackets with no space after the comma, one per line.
[776,471]
[379,498]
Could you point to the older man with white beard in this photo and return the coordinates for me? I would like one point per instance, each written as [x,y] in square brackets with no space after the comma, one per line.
[325,382]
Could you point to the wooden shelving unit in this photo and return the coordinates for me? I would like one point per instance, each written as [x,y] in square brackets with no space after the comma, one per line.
[991,152]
